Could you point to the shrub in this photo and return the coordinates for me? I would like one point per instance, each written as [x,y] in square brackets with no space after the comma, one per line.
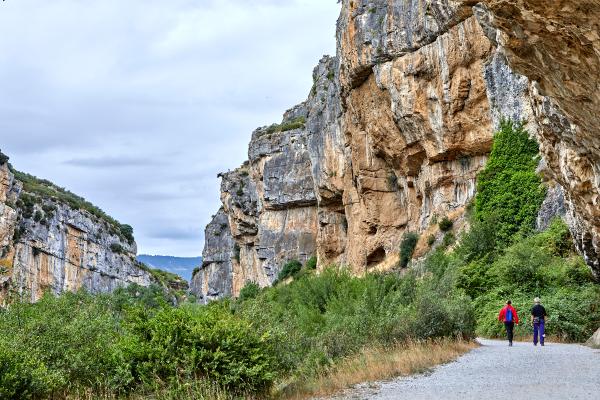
[445,224]
[185,342]
[290,269]
[311,263]
[37,217]
[60,344]
[3,158]
[430,240]
[126,232]
[508,188]
[296,123]
[448,240]
[195,271]
[249,291]
[407,248]
[117,248]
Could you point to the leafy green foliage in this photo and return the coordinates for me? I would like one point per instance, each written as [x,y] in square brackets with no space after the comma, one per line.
[249,291]
[117,248]
[295,123]
[446,224]
[195,271]
[290,269]
[3,158]
[407,248]
[431,240]
[509,189]
[311,263]
[534,266]
[132,341]
[317,319]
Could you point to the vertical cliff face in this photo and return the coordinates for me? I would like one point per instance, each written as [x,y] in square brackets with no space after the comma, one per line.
[556,45]
[47,245]
[398,125]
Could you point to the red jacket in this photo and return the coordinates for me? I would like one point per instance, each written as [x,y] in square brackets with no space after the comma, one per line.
[502,315]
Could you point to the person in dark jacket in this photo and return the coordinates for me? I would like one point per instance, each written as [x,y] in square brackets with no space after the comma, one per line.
[538,320]
[509,316]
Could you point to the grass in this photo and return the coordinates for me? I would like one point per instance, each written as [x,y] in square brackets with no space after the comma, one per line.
[381,363]
[296,123]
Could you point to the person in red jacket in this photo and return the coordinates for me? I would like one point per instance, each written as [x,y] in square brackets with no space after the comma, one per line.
[509,316]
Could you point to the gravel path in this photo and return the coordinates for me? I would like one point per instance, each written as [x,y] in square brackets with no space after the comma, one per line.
[496,371]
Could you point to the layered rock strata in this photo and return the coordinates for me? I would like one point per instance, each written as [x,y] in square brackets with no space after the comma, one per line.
[53,247]
[398,125]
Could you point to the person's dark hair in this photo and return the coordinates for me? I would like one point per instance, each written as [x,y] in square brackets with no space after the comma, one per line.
[509,302]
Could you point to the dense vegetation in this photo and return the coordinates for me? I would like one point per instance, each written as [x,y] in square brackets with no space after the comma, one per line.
[296,123]
[3,158]
[509,190]
[136,344]
[502,258]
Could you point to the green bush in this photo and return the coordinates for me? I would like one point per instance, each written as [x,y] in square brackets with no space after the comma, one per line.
[60,344]
[290,269]
[195,271]
[431,240]
[508,188]
[535,266]
[311,263]
[407,248]
[446,224]
[190,341]
[117,248]
[249,291]
[317,320]
[3,158]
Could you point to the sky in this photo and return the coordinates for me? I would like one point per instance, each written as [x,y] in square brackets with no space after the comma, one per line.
[136,105]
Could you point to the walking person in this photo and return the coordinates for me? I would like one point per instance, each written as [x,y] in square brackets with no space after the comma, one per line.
[538,320]
[509,316]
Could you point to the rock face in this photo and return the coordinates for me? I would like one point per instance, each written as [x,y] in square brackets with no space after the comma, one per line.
[594,341]
[398,125]
[47,245]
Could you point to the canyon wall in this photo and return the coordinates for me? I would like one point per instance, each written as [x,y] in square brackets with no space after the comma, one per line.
[396,128]
[47,245]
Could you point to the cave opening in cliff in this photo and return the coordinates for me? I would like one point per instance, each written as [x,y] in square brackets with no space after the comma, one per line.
[376,256]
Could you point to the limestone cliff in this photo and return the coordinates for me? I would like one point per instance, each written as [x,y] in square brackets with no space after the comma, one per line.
[46,244]
[398,125]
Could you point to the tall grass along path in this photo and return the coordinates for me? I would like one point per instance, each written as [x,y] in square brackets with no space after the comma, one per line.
[496,371]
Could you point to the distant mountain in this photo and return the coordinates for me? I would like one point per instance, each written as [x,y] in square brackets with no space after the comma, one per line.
[182,266]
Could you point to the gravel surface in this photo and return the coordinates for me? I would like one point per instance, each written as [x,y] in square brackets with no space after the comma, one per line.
[496,371]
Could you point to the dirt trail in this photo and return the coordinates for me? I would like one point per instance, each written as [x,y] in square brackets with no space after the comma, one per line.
[496,371]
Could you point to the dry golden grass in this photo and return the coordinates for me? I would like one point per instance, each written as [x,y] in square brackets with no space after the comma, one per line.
[381,363]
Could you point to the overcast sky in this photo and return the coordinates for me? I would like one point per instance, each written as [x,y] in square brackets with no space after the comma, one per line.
[138,104]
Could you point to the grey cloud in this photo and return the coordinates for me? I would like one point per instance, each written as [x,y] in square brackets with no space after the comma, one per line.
[138,105]
[115,162]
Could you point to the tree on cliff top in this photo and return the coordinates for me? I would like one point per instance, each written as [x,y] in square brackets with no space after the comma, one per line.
[3,158]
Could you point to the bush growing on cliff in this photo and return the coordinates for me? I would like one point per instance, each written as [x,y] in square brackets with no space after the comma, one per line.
[290,269]
[446,224]
[249,291]
[508,188]
[407,248]
[3,158]
[311,263]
